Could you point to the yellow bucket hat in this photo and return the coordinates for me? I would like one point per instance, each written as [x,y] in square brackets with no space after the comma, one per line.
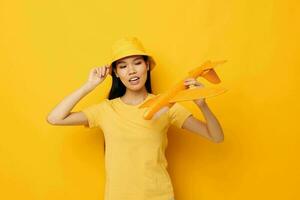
[128,46]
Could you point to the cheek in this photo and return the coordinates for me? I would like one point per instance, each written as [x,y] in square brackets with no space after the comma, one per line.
[143,75]
[122,73]
[143,71]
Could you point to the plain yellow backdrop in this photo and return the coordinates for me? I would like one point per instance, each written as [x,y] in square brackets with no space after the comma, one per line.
[48,48]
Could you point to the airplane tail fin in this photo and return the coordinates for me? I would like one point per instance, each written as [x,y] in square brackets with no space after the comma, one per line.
[211,76]
[208,72]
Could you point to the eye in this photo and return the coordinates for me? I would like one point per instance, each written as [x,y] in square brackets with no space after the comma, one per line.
[138,63]
[122,66]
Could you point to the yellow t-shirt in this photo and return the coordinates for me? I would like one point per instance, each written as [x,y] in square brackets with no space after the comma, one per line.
[135,162]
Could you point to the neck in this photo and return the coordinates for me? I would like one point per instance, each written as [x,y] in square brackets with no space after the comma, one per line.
[135,97]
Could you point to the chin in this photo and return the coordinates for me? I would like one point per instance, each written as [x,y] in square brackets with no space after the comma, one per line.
[136,87]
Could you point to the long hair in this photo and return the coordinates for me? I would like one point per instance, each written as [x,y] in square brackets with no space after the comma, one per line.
[118,89]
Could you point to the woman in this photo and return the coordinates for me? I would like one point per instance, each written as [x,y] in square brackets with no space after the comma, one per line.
[135,163]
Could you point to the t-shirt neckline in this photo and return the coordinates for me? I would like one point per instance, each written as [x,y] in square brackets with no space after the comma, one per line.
[125,104]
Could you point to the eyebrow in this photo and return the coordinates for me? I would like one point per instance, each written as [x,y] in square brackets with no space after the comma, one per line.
[125,62]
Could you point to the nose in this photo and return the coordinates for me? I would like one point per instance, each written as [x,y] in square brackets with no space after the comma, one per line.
[132,69]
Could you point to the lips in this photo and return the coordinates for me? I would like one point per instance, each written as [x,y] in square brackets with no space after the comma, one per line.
[134,78]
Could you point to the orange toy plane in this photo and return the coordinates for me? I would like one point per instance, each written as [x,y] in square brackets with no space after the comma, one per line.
[179,92]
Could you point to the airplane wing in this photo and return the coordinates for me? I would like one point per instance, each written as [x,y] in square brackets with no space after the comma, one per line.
[197,93]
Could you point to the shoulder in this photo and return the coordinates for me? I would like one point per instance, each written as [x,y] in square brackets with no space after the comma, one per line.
[106,103]
[99,105]
[178,114]
[103,102]
[178,110]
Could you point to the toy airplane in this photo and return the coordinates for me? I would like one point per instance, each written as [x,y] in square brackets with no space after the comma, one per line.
[179,92]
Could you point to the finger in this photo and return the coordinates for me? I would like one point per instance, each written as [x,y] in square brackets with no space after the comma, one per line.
[194,81]
[101,71]
[106,70]
[94,70]
[190,78]
[188,81]
[98,72]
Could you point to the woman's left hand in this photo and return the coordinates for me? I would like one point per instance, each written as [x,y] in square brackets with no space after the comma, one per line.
[192,82]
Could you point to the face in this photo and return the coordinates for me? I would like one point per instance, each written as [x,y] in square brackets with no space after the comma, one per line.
[130,68]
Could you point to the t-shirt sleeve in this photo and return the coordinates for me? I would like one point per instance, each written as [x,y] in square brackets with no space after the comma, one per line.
[94,115]
[178,114]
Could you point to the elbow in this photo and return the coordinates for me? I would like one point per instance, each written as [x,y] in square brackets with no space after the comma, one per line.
[51,120]
[218,139]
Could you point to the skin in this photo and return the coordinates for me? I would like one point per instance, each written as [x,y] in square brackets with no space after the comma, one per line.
[211,129]
[127,67]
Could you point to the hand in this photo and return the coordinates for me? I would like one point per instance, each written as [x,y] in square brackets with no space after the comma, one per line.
[192,82]
[97,75]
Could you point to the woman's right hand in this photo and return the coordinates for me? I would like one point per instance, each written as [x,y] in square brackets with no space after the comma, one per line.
[97,75]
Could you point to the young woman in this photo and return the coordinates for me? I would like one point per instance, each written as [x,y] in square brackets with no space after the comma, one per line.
[135,162]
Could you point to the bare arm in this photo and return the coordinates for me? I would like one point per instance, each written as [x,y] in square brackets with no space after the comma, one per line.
[211,129]
[62,115]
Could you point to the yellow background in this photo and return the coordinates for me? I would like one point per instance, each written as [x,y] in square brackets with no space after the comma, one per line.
[48,48]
